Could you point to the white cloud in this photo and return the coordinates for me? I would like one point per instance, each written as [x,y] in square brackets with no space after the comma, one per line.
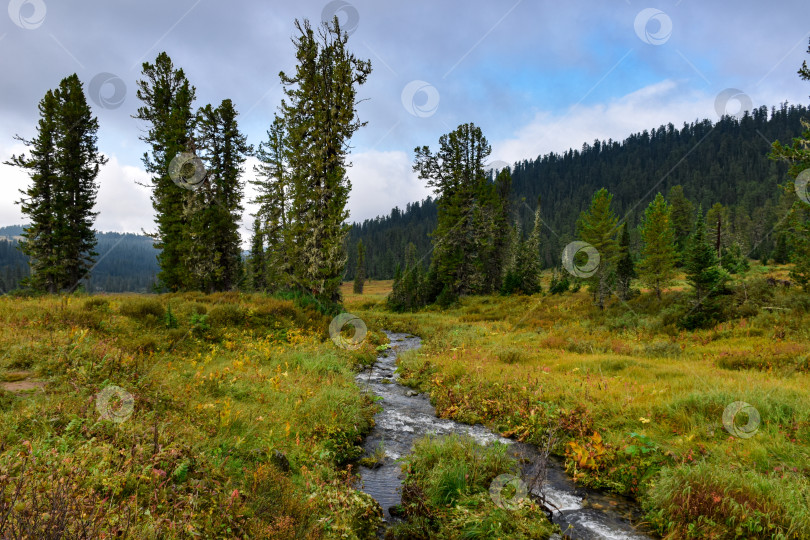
[646,108]
[668,101]
[12,180]
[123,205]
[381,181]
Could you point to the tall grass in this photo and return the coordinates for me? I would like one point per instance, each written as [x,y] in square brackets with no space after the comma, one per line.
[522,364]
[217,400]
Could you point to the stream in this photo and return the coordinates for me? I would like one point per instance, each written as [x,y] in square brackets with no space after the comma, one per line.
[406,416]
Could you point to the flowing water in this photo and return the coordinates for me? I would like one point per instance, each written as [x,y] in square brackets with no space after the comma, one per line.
[406,416]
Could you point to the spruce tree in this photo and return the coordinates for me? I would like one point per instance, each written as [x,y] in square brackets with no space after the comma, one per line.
[320,118]
[718,228]
[657,266]
[167,98]
[63,167]
[705,277]
[215,250]
[625,267]
[681,216]
[597,227]
[360,272]
[465,240]
[273,197]
[39,200]
[527,263]
[257,264]
[409,285]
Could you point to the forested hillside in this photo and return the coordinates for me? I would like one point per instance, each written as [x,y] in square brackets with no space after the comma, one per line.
[126,262]
[724,162]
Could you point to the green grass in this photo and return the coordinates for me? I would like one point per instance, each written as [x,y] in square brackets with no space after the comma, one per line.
[523,364]
[215,401]
[446,494]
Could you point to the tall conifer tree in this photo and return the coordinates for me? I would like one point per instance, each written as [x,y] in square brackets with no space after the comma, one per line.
[597,227]
[320,118]
[360,272]
[63,167]
[167,98]
[658,256]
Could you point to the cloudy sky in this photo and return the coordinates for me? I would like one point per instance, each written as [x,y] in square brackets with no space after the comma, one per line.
[537,76]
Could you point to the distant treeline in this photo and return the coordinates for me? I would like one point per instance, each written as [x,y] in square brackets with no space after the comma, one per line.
[724,162]
[126,263]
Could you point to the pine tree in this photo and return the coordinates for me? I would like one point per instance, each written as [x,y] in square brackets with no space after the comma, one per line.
[257,263]
[468,209]
[360,272]
[658,257]
[63,167]
[320,118]
[527,263]
[273,188]
[167,100]
[409,285]
[781,251]
[625,268]
[597,227]
[718,227]
[705,277]
[41,202]
[681,217]
[215,251]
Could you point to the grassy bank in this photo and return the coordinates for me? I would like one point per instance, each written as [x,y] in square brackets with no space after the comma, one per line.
[641,403]
[178,416]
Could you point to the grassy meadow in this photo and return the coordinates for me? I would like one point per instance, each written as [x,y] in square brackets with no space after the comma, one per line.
[639,403]
[244,419]
[234,415]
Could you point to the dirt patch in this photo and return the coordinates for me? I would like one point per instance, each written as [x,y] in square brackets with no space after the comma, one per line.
[23,386]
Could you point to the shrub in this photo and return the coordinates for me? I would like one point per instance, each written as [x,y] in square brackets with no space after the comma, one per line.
[96,303]
[226,315]
[511,356]
[661,349]
[446,493]
[702,500]
[143,309]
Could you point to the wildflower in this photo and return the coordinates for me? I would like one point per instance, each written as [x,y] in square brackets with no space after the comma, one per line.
[644,420]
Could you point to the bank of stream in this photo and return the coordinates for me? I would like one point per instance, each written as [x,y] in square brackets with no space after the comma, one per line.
[406,416]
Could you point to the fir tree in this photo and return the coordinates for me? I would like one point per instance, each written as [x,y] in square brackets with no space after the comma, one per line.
[625,268]
[63,167]
[705,277]
[257,264]
[466,240]
[320,118]
[167,99]
[360,272]
[681,217]
[215,209]
[781,251]
[658,257]
[597,227]
[409,285]
[273,188]
[527,263]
